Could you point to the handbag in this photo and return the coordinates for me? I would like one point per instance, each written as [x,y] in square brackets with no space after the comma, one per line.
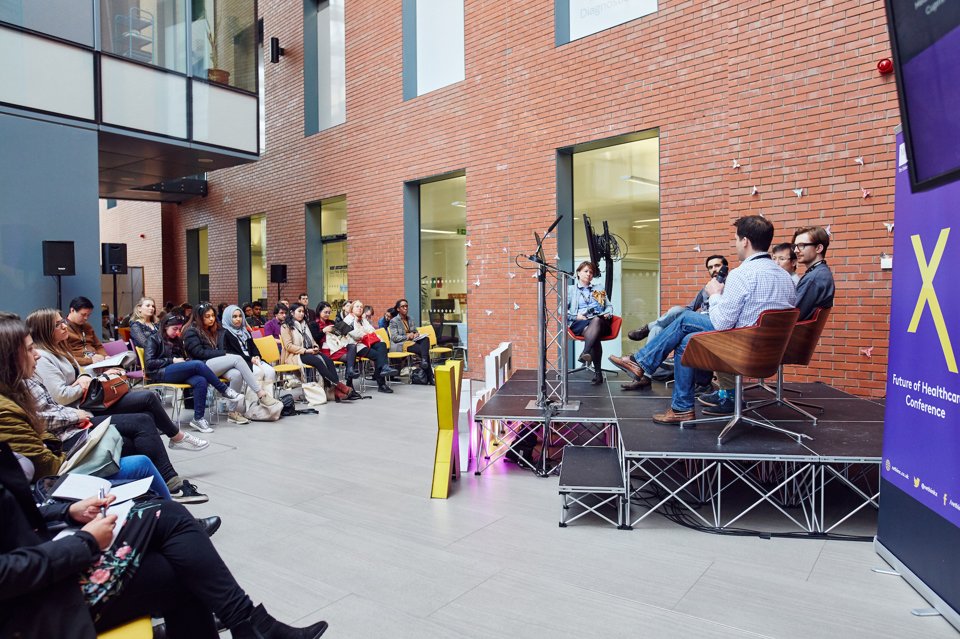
[103,392]
[314,393]
[369,339]
[99,456]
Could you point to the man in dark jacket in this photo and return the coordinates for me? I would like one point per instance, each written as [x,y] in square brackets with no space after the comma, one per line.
[815,289]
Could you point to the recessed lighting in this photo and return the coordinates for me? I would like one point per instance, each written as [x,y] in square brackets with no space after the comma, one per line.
[205,161]
[652,219]
[459,204]
[438,231]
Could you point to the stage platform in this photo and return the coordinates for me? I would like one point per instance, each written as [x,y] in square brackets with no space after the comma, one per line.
[669,467]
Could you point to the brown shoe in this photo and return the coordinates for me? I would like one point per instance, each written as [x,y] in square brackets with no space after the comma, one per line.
[673,418]
[635,386]
[640,334]
[627,365]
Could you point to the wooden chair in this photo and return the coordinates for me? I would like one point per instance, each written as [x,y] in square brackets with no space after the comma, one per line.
[270,353]
[163,387]
[614,333]
[800,350]
[751,351]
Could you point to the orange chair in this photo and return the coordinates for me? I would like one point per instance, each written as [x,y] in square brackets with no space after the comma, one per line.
[614,333]
[751,351]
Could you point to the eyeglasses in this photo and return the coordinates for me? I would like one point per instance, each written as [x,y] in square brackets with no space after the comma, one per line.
[404,306]
[799,246]
[61,322]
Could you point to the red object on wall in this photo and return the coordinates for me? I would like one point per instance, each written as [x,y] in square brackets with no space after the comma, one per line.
[885,66]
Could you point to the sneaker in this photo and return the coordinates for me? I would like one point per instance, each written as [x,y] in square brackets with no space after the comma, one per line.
[189,442]
[713,399]
[387,371]
[232,394]
[237,418]
[268,400]
[188,494]
[201,425]
[724,407]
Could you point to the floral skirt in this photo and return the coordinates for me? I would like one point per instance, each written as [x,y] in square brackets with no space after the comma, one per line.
[106,577]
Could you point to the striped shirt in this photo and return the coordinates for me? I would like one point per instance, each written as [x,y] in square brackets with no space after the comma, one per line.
[757,285]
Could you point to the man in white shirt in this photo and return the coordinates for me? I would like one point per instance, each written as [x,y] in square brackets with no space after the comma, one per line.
[757,285]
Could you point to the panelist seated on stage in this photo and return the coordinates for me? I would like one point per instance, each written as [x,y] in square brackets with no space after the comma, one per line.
[588,316]
[700,303]
[757,285]
[784,256]
[815,288]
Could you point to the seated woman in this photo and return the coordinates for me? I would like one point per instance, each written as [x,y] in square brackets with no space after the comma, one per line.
[24,431]
[236,339]
[299,348]
[66,383]
[401,332]
[369,346]
[165,361]
[588,315]
[340,348]
[201,341]
[177,574]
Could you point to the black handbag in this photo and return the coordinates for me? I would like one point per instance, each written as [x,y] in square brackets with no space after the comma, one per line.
[103,392]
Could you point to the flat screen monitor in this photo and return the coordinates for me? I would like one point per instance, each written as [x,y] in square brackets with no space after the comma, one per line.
[925,36]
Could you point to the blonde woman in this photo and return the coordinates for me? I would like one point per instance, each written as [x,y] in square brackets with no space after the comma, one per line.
[144,322]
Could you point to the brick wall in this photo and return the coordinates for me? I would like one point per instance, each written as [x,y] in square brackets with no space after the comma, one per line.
[787,88]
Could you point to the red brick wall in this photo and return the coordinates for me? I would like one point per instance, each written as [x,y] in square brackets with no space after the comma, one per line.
[788,88]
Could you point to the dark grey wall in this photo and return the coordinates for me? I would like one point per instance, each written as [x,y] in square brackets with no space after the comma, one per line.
[48,191]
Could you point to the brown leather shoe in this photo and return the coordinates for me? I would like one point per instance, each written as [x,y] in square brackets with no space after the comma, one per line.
[640,334]
[643,384]
[627,365]
[673,418]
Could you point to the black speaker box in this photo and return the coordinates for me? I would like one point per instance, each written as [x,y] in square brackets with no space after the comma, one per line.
[58,258]
[113,259]
[278,273]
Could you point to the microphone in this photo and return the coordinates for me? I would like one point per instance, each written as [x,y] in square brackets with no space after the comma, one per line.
[722,275]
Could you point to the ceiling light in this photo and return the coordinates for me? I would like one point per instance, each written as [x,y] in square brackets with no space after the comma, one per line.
[438,231]
[652,219]
[641,226]
[205,161]
[640,180]
[459,204]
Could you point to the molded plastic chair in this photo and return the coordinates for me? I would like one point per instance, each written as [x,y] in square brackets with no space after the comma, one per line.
[115,347]
[164,386]
[137,629]
[402,357]
[124,333]
[803,344]
[270,353]
[615,322]
[435,351]
[751,351]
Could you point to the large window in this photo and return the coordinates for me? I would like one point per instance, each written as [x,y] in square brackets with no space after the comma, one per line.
[149,31]
[258,257]
[333,226]
[443,257]
[578,18]
[432,45]
[224,42]
[620,184]
[70,20]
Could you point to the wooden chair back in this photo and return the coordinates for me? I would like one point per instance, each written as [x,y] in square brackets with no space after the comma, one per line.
[751,351]
[805,337]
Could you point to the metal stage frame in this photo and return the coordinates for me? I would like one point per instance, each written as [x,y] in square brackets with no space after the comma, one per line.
[814,487]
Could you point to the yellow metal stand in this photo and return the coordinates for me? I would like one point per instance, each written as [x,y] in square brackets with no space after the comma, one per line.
[446,465]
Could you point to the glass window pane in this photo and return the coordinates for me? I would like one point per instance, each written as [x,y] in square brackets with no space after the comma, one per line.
[333,227]
[71,21]
[331,64]
[620,185]
[443,257]
[149,31]
[224,42]
[439,44]
[258,257]
[590,16]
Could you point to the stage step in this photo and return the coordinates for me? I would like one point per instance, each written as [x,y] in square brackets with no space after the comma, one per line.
[591,478]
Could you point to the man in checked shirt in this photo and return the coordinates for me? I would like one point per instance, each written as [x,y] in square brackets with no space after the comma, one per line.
[757,285]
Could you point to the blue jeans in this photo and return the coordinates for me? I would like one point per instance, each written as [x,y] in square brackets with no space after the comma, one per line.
[198,375]
[665,320]
[674,338]
[138,467]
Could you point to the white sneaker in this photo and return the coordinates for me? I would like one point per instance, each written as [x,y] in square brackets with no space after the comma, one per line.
[201,425]
[189,442]
[237,418]
[268,400]
[232,394]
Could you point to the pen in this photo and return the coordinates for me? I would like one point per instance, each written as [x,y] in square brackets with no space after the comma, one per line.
[103,507]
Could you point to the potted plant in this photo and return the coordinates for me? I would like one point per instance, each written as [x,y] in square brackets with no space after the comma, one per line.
[215,73]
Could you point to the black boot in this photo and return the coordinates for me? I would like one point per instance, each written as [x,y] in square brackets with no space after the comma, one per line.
[260,625]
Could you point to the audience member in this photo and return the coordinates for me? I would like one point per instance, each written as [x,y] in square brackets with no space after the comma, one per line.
[166,361]
[370,346]
[388,315]
[757,285]
[236,339]
[186,309]
[255,320]
[337,344]
[404,337]
[144,322]
[299,347]
[82,341]
[308,314]
[588,315]
[272,327]
[784,256]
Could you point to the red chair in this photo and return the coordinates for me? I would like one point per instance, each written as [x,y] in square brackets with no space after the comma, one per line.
[614,333]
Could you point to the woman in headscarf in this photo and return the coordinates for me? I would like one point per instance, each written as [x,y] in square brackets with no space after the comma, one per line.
[236,339]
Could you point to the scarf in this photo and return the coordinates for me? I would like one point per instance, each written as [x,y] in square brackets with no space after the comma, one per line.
[242,333]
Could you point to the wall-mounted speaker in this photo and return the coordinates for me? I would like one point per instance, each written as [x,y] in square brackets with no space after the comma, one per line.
[58,258]
[113,259]
[278,273]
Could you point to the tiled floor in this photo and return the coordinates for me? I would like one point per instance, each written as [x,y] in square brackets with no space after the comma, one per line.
[329,517]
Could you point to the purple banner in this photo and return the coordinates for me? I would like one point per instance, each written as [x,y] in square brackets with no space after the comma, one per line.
[921,444]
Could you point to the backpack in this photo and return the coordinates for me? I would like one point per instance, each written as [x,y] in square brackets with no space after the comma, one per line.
[419,376]
[289,406]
